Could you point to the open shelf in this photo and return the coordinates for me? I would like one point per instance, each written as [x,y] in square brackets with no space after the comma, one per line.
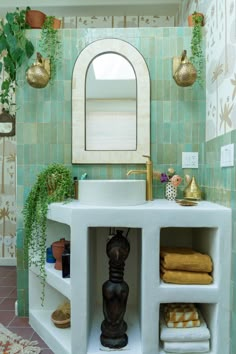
[133,332]
[54,279]
[206,228]
[40,320]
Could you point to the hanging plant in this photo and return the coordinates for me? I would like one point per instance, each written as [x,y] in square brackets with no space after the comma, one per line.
[50,44]
[54,184]
[15,50]
[197,59]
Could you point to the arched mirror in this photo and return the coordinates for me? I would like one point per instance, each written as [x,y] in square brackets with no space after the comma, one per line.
[110,104]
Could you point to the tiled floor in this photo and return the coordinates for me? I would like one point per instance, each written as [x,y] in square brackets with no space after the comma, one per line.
[18,325]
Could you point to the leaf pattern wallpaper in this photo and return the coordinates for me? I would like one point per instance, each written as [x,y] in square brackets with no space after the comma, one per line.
[220,31]
[8,200]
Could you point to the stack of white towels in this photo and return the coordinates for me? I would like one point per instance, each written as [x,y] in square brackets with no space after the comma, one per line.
[183,329]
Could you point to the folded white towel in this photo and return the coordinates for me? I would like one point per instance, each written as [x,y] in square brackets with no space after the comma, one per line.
[187,347]
[193,334]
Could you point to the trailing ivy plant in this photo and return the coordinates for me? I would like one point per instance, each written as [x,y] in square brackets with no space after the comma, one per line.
[50,45]
[15,50]
[197,58]
[53,184]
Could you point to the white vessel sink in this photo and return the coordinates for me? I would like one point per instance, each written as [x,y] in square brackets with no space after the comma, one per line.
[112,192]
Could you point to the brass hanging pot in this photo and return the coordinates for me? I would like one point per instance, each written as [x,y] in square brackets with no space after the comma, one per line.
[186,74]
[38,75]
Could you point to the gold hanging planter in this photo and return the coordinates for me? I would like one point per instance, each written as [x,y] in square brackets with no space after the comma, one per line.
[184,72]
[38,75]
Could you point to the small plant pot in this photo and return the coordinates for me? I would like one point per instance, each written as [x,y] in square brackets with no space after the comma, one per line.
[191,21]
[56,23]
[57,250]
[35,18]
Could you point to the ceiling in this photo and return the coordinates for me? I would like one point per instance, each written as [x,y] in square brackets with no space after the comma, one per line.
[95,7]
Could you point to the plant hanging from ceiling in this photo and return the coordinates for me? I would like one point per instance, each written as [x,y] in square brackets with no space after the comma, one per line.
[15,50]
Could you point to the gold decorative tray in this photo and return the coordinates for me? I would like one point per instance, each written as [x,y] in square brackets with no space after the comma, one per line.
[185,202]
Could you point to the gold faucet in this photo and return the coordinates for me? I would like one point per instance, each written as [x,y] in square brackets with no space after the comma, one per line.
[149,176]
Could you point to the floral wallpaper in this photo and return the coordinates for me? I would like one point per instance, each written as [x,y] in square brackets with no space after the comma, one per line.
[117,21]
[220,31]
[8,200]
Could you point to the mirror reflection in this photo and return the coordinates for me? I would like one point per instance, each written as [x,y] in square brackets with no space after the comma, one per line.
[111,113]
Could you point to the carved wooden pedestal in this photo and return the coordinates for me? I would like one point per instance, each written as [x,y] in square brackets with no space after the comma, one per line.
[115,294]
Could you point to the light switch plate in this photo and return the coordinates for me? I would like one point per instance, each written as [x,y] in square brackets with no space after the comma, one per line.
[189,159]
[227,156]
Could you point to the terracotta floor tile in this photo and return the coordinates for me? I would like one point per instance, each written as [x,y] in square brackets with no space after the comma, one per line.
[41,343]
[8,296]
[6,317]
[8,304]
[7,281]
[24,332]
[5,291]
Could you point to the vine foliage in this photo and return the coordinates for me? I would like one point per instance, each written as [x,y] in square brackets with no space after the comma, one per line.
[53,184]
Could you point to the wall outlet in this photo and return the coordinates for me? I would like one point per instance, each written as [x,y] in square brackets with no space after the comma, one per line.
[227,156]
[189,159]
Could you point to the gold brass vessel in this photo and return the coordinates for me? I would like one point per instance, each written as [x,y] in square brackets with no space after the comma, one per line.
[38,74]
[184,73]
[192,191]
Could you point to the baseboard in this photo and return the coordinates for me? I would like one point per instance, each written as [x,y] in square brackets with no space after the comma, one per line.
[7,261]
[16,308]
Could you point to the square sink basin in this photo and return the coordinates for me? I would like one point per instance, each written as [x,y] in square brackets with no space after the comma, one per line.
[114,192]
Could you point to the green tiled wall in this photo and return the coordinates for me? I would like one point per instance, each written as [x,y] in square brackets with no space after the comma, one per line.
[44,117]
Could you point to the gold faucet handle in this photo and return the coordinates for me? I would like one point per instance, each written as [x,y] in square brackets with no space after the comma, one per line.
[148,157]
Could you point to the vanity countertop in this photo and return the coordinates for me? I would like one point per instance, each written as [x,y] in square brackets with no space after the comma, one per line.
[64,212]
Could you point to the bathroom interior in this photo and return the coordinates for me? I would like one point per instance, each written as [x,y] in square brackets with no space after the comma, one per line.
[190,119]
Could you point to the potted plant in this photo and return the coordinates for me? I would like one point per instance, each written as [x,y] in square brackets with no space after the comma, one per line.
[15,50]
[50,44]
[197,58]
[35,18]
[53,184]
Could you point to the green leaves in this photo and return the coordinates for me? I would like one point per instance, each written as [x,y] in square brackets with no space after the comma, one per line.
[50,45]
[17,50]
[197,58]
[53,184]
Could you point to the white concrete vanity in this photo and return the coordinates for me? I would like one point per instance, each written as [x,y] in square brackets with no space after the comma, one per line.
[206,227]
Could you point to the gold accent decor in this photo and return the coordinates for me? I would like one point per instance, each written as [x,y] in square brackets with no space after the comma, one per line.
[184,73]
[192,191]
[38,75]
[149,176]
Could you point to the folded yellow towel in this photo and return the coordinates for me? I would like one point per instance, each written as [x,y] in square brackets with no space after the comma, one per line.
[184,277]
[181,313]
[180,258]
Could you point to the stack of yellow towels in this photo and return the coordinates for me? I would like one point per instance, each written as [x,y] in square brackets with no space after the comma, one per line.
[183,329]
[181,265]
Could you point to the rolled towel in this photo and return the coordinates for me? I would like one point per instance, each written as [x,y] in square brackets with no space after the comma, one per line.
[187,347]
[193,334]
[184,277]
[181,312]
[180,258]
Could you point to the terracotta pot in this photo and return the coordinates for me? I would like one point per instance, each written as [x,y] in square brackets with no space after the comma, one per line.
[191,18]
[35,18]
[57,250]
[56,23]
